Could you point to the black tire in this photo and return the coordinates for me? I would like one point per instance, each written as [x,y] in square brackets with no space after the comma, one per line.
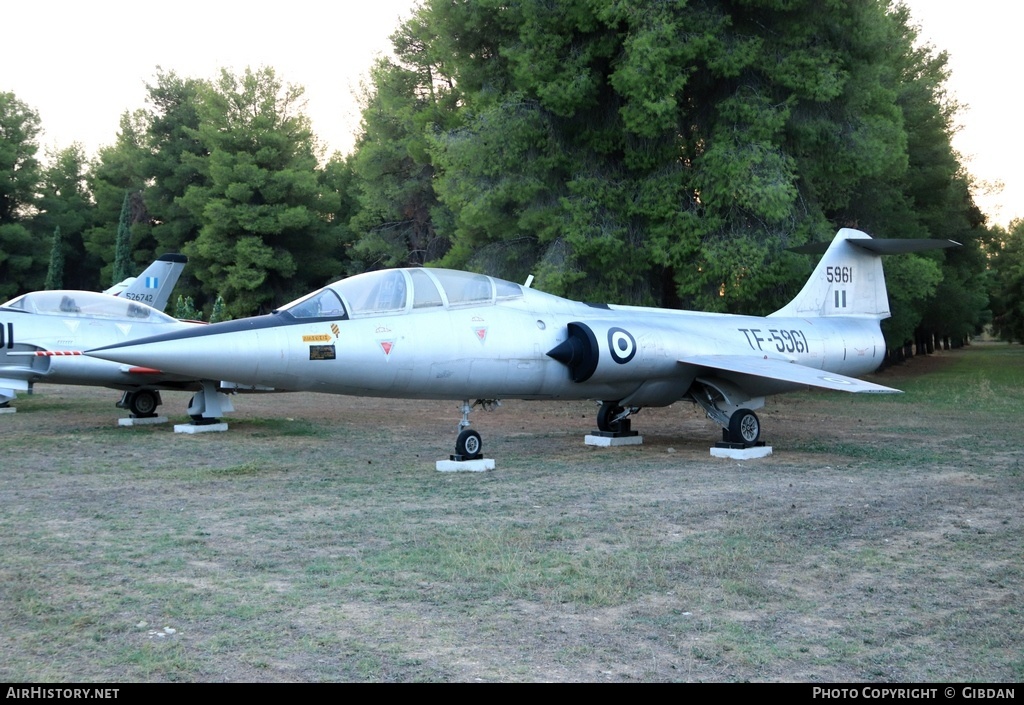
[143,403]
[468,444]
[197,419]
[606,417]
[744,427]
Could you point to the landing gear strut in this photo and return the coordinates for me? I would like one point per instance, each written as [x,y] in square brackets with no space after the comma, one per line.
[722,404]
[469,446]
[208,405]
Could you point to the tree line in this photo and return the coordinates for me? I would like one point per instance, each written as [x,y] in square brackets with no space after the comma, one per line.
[661,153]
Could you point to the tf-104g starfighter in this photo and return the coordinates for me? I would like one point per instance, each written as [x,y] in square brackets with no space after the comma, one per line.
[423,333]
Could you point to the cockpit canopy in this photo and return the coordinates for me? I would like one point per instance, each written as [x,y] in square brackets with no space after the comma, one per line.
[87,304]
[398,290]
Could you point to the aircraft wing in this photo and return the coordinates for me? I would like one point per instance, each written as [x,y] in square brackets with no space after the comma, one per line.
[12,382]
[785,371]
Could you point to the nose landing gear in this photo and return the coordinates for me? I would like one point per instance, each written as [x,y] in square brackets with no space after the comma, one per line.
[468,445]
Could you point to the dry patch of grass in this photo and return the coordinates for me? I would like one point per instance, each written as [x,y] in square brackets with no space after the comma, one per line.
[315,541]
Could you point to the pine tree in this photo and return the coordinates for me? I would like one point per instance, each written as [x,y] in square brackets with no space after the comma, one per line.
[185,309]
[661,153]
[21,263]
[219,311]
[265,236]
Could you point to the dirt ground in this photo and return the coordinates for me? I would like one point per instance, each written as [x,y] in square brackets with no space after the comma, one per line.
[315,541]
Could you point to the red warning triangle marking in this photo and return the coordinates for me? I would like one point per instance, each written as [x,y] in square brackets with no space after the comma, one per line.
[386,346]
[481,334]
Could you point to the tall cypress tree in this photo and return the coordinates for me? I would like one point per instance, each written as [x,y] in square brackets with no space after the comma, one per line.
[55,274]
[123,250]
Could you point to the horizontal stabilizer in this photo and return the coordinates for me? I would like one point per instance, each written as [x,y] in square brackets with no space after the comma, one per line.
[879,246]
[785,371]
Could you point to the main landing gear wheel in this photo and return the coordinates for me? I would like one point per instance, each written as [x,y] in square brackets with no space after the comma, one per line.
[143,403]
[744,427]
[607,417]
[468,444]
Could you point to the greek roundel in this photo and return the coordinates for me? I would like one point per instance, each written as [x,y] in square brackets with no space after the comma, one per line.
[621,344]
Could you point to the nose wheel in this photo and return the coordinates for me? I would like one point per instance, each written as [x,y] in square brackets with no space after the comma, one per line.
[468,445]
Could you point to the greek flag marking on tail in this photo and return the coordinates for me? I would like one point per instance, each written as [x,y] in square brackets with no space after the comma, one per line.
[840,297]
[152,282]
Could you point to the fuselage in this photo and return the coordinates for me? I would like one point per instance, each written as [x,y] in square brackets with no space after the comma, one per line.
[425,334]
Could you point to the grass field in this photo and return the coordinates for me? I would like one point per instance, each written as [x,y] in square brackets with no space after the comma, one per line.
[882,541]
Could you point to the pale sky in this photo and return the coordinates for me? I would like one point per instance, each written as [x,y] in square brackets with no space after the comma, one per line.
[82,63]
[981,38]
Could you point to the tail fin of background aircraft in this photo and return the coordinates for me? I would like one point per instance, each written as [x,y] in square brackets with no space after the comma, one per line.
[848,280]
[155,284]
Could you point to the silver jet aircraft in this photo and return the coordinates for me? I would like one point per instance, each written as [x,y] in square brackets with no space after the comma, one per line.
[43,334]
[440,334]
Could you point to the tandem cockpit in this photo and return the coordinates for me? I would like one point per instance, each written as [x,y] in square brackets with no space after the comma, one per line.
[89,304]
[394,291]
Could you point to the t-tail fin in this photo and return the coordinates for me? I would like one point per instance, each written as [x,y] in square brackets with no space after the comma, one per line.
[155,284]
[848,280]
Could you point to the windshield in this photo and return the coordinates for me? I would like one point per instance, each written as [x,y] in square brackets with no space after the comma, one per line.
[320,304]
